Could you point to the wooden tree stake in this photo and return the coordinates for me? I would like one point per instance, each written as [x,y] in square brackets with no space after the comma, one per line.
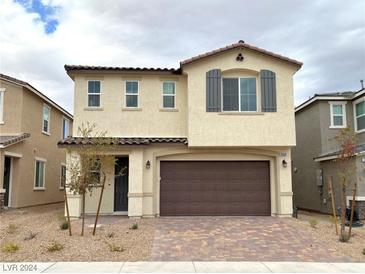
[352,209]
[68,213]
[99,205]
[330,190]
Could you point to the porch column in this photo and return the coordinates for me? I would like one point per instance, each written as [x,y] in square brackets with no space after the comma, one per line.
[2,171]
[285,194]
[74,200]
[135,187]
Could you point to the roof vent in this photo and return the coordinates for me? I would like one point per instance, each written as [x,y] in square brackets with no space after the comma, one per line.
[241,41]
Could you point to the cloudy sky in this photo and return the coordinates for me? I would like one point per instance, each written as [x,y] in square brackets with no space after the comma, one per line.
[38,37]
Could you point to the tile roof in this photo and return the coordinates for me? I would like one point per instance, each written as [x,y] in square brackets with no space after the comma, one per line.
[70,68]
[9,140]
[241,44]
[120,141]
[358,149]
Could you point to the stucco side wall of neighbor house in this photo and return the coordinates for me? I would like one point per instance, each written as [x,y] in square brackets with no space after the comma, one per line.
[144,183]
[39,145]
[241,129]
[13,101]
[305,189]
[149,119]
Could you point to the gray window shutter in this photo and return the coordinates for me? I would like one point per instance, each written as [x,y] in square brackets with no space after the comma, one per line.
[268,91]
[213,95]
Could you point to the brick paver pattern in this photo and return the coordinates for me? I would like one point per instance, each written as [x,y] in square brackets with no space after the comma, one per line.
[236,239]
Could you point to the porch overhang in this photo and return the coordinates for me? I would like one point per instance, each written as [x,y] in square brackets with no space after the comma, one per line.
[8,140]
[359,149]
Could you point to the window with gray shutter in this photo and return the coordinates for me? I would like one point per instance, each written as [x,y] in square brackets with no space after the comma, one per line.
[268,91]
[213,86]
[230,94]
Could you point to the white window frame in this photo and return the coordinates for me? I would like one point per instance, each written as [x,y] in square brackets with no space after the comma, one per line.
[101,88]
[2,98]
[239,94]
[49,120]
[65,166]
[344,119]
[62,129]
[136,94]
[174,95]
[355,117]
[44,161]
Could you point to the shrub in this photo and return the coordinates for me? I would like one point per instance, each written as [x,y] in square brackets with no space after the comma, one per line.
[110,234]
[30,235]
[134,226]
[344,238]
[54,246]
[64,225]
[12,228]
[115,248]
[10,248]
[313,223]
[363,251]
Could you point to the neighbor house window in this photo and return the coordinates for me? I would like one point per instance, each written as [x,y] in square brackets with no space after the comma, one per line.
[168,94]
[359,110]
[46,119]
[93,93]
[239,94]
[338,114]
[65,128]
[63,176]
[2,92]
[40,169]
[131,94]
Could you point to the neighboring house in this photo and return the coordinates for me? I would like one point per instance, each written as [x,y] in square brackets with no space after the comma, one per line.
[31,164]
[318,121]
[212,137]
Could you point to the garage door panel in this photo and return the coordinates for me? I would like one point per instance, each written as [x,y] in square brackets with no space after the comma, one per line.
[214,188]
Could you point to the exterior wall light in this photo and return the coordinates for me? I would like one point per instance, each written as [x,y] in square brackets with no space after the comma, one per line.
[148,164]
[285,164]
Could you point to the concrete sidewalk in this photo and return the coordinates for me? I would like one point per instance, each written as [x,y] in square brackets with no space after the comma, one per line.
[182,267]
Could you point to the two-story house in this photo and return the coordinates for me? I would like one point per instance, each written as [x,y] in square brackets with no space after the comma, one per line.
[32,167]
[212,137]
[318,121]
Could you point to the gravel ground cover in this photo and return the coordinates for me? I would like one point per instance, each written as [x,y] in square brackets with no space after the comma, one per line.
[114,240]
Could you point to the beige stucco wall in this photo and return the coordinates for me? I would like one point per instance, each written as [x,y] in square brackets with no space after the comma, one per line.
[37,145]
[144,183]
[240,129]
[149,119]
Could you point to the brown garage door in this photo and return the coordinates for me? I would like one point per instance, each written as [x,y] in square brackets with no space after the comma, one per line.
[219,188]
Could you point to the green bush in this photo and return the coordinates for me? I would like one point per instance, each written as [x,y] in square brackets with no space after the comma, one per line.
[54,246]
[134,226]
[10,248]
[363,251]
[313,223]
[64,225]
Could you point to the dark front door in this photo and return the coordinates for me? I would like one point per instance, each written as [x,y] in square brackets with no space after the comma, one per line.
[7,169]
[121,184]
[215,188]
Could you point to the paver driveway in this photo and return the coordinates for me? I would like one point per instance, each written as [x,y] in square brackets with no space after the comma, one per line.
[236,239]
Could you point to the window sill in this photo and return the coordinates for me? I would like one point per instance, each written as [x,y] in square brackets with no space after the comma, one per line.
[61,188]
[131,109]
[46,133]
[169,110]
[360,131]
[334,127]
[93,109]
[241,113]
[39,189]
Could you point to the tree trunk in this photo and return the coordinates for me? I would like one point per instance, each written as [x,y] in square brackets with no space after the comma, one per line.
[83,214]
[99,205]
[352,210]
[67,213]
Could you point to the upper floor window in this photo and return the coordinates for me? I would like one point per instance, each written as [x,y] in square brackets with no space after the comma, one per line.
[65,128]
[40,170]
[338,114]
[131,94]
[168,95]
[93,93]
[359,110]
[239,94]
[2,92]
[46,119]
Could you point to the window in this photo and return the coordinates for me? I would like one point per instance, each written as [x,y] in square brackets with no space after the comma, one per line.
[131,94]
[2,92]
[46,119]
[39,178]
[168,95]
[338,114]
[63,176]
[93,93]
[359,110]
[65,128]
[239,94]
[95,172]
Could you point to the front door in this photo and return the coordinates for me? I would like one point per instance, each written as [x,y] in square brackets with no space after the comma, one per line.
[7,168]
[121,184]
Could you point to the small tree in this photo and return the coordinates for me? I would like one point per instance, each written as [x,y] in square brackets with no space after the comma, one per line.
[85,169]
[347,142]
